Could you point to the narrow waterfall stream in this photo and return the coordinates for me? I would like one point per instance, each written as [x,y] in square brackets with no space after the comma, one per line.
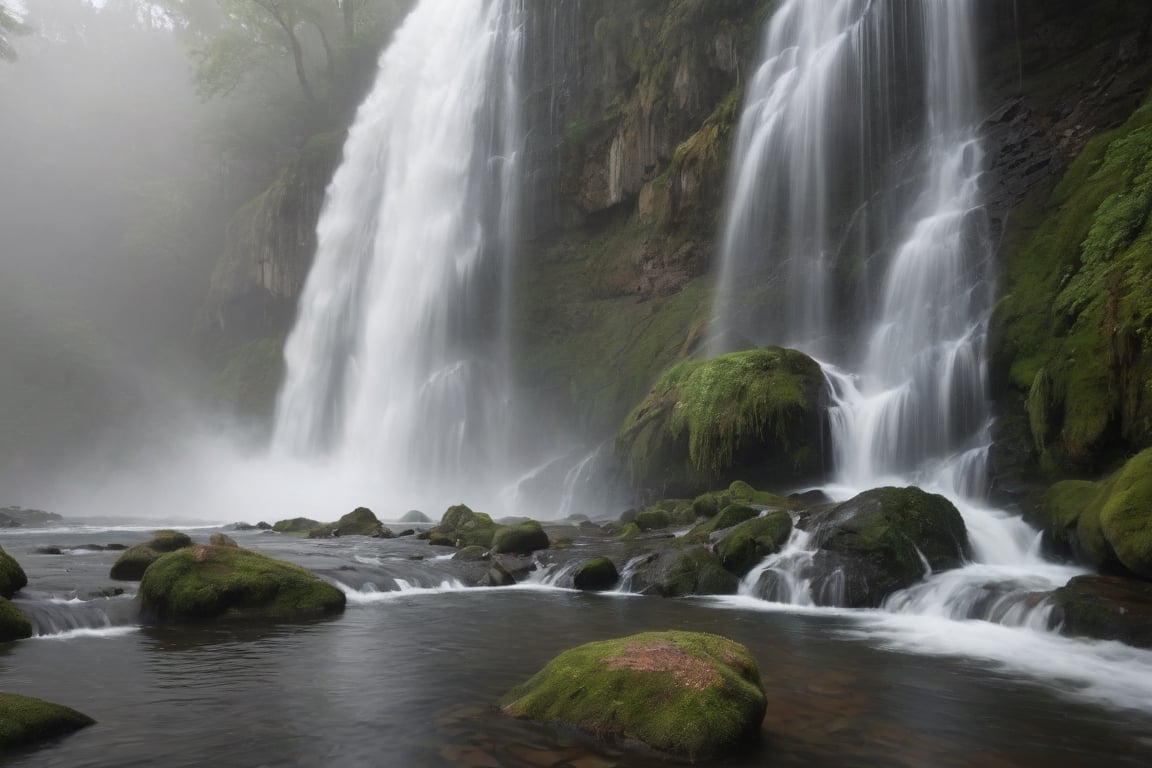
[397,370]
[823,187]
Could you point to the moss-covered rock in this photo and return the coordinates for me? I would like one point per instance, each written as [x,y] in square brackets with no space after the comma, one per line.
[710,504]
[755,415]
[472,554]
[652,519]
[206,582]
[12,576]
[689,694]
[680,572]
[360,522]
[1070,333]
[298,525]
[522,539]
[731,515]
[741,491]
[497,575]
[879,541]
[1057,515]
[25,721]
[745,545]
[1105,608]
[596,575]
[461,527]
[130,566]
[222,540]
[14,625]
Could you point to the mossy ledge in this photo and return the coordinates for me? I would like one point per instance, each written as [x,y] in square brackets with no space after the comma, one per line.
[25,720]
[757,415]
[204,582]
[12,576]
[689,694]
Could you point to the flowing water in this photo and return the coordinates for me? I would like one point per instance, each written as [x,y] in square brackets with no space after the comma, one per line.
[410,675]
[397,369]
[855,215]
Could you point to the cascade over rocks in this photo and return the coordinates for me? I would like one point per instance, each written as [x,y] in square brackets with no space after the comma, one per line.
[690,694]
[757,415]
[881,541]
[1105,608]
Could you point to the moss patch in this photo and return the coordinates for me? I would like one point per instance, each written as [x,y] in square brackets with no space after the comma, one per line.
[130,566]
[753,414]
[1073,329]
[748,543]
[300,525]
[461,527]
[14,625]
[205,582]
[596,574]
[12,576]
[24,720]
[686,693]
[522,539]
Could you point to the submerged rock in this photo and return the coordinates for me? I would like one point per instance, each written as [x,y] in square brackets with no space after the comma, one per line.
[204,582]
[12,576]
[690,694]
[755,415]
[25,721]
[881,541]
[14,625]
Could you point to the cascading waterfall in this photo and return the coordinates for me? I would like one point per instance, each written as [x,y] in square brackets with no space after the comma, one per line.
[397,369]
[848,192]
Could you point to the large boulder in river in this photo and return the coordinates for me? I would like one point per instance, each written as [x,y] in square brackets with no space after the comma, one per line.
[14,625]
[689,694]
[521,539]
[130,566]
[205,582]
[682,572]
[12,576]
[879,542]
[755,415]
[740,548]
[25,721]
[361,522]
[461,527]
[596,575]
[1105,608]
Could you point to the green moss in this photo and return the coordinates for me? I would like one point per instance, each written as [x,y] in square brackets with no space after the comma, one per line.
[132,563]
[697,571]
[731,515]
[205,582]
[743,547]
[464,528]
[689,694]
[1073,329]
[742,491]
[299,525]
[710,504]
[1059,511]
[1126,515]
[169,541]
[691,427]
[24,720]
[359,522]
[522,539]
[629,531]
[596,574]
[652,519]
[14,625]
[12,576]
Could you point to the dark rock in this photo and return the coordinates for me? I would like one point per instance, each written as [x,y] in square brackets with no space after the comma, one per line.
[496,576]
[362,522]
[1106,608]
[596,575]
[471,554]
[741,548]
[461,527]
[263,526]
[522,539]
[14,625]
[12,576]
[683,572]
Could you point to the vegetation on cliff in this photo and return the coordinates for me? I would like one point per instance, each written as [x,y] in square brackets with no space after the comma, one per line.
[754,415]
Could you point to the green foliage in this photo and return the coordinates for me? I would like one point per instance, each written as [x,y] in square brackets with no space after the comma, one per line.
[14,625]
[764,399]
[24,720]
[12,576]
[205,582]
[1074,327]
[690,694]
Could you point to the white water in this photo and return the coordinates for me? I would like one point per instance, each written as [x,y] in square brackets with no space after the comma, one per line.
[812,198]
[397,375]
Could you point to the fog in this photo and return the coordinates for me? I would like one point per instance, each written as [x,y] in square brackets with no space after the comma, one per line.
[117,181]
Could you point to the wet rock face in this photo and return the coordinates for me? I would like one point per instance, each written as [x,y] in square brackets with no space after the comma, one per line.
[1106,608]
[881,541]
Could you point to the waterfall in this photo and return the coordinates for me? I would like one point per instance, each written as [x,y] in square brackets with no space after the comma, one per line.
[397,367]
[855,232]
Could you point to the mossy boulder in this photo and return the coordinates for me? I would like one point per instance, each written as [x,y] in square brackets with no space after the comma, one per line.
[130,566]
[25,721]
[755,415]
[652,519]
[361,522]
[298,525]
[1105,608]
[694,570]
[497,575]
[461,527]
[12,576]
[596,575]
[710,504]
[878,542]
[731,515]
[472,554]
[689,694]
[745,545]
[205,582]
[14,625]
[522,539]
[222,540]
